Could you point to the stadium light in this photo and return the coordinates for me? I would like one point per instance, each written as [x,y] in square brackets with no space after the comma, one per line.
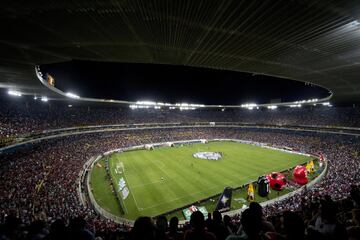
[313,100]
[145,103]
[187,108]
[70,106]
[355,23]
[138,106]
[72,95]
[35,98]
[44,99]
[272,107]
[158,105]
[14,93]
[326,104]
[249,106]
[295,105]
[188,105]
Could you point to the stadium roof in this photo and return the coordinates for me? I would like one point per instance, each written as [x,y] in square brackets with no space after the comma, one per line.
[315,41]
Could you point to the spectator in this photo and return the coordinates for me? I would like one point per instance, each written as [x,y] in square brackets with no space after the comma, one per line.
[174,233]
[218,227]
[58,231]
[231,227]
[354,230]
[161,228]
[37,230]
[293,226]
[39,183]
[198,231]
[143,229]
[79,231]
[326,223]
[256,211]
[252,227]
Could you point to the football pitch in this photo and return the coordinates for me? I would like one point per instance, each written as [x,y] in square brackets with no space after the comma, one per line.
[168,178]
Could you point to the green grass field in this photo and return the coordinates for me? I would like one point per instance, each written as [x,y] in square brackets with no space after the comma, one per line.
[170,177]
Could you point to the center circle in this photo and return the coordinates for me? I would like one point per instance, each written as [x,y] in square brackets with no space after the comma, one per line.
[208,155]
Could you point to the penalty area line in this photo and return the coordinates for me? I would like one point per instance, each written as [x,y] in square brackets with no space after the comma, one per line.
[136,204]
[116,177]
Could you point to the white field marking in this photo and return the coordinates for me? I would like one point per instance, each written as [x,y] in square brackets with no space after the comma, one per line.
[174,199]
[116,177]
[192,194]
[123,201]
[227,183]
[130,190]
[131,193]
[195,193]
[126,211]
[158,181]
[160,163]
[149,183]
[141,209]
[178,177]
[165,181]
[159,168]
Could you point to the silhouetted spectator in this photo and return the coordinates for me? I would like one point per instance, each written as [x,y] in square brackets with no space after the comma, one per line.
[161,227]
[11,229]
[143,229]
[198,231]
[37,230]
[293,226]
[218,227]
[354,230]
[58,231]
[174,233]
[78,230]
[257,211]
[326,223]
[209,220]
[252,227]
[229,224]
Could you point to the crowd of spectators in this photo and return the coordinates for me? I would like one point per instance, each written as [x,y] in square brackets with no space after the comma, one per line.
[19,117]
[38,196]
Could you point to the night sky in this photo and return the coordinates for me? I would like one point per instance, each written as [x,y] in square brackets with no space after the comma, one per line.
[174,84]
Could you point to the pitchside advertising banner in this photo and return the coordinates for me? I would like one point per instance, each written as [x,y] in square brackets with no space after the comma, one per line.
[188,211]
[223,205]
[122,188]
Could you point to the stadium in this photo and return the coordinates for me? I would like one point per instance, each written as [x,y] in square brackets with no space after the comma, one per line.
[180,120]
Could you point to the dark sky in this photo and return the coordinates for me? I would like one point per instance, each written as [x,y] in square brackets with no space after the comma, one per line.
[174,84]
